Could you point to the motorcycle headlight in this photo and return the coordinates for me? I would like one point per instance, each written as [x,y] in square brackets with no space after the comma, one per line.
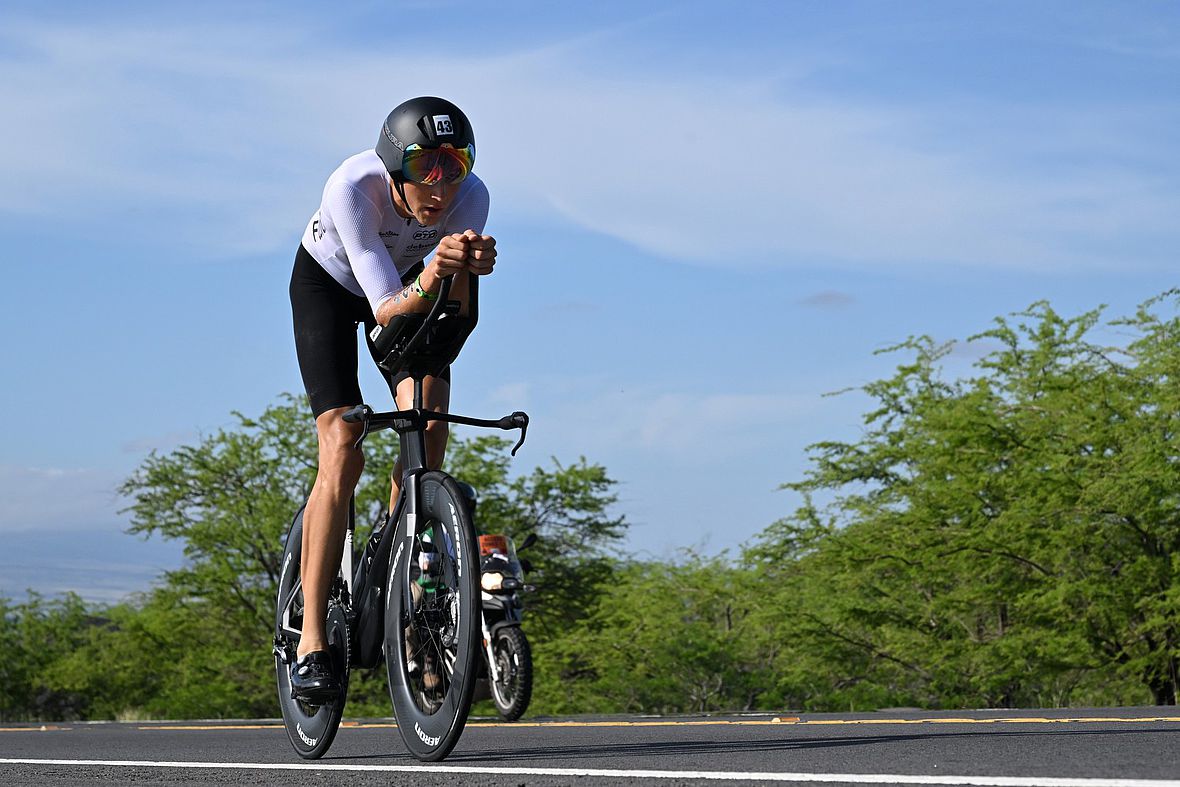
[492,580]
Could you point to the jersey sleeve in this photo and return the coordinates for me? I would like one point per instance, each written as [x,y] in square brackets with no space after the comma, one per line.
[358,223]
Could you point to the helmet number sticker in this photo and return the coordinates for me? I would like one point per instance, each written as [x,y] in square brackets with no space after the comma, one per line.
[442,124]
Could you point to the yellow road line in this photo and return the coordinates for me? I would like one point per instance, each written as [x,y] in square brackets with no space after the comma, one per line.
[1016,720]
[781,720]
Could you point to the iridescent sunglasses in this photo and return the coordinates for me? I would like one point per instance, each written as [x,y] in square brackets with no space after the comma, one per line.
[430,166]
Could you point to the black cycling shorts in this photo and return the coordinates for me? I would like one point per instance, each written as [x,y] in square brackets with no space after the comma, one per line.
[326,317]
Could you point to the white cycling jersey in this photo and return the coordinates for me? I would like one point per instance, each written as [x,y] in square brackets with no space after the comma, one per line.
[362,242]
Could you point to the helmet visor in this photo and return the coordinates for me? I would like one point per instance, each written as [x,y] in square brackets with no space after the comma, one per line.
[430,166]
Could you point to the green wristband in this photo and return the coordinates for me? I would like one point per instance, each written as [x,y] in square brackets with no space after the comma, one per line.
[421,292]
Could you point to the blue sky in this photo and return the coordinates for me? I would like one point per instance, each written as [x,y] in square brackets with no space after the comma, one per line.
[709,215]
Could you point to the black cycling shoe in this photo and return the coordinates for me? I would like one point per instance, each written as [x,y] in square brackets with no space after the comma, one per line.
[312,679]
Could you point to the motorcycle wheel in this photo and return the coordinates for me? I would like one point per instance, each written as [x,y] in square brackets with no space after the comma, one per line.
[514,662]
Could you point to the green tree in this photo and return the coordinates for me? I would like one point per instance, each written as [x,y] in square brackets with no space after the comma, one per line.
[1007,538]
[231,497]
[666,637]
[569,507]
[36,633]
[159,656]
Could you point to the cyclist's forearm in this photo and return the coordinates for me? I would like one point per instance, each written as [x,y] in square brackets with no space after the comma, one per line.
[404,301]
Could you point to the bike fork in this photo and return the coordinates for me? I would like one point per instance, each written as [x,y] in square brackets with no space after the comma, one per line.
[487,644]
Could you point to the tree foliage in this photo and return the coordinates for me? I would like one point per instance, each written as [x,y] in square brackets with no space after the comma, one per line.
[36,634]
[570,510]
[682,636]
[1007,537]
[200,644]
[1011,538]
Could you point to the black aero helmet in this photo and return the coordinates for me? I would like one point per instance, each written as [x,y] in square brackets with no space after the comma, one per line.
[424,123]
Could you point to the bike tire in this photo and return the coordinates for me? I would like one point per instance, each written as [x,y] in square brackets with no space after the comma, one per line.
[514,663]
[432,634]
[311,728]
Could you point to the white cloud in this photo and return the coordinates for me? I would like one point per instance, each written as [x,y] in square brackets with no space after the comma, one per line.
[828,299]
[221,143]
[672,450]
[36,498]
[515,395]
[160,442]
[677,422]
[625,425]
[103,566]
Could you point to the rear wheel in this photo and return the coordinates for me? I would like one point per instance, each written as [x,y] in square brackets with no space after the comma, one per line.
[514,664]
[311,728]
[432,620]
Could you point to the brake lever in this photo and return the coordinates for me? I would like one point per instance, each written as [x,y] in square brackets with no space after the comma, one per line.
[362,414]
[364,434]
[520,420]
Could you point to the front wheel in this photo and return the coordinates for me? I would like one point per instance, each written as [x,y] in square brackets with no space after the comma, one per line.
[432,620]
[514,665]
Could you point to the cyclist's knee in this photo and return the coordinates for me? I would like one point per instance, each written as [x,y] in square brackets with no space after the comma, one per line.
[437,433]
[339,456]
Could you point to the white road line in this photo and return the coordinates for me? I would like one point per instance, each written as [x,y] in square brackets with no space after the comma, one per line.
[844,778]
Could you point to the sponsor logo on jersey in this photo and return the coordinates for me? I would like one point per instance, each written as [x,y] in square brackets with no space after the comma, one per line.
[419,247]
[425,234]
[388,234]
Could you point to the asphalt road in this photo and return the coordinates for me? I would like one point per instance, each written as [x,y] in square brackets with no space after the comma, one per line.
[1129,747]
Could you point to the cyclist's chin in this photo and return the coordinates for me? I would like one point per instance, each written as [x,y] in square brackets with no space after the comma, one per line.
[429,214]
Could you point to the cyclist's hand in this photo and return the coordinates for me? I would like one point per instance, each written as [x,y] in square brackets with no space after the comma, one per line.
[450,257]
[481,253]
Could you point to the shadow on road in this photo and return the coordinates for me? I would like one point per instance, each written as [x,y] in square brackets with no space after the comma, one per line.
[669,748]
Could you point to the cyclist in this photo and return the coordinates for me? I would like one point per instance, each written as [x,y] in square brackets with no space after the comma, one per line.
[362,260]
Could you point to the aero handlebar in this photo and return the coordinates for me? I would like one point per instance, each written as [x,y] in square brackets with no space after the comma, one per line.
[417,418]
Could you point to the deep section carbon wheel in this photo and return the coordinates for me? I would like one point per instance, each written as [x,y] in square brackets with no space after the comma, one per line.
[432,620]
[311,728]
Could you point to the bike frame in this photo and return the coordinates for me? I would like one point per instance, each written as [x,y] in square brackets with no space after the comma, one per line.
[359,627]
[411,428]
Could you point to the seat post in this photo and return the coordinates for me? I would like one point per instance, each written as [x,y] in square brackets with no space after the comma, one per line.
[417,391]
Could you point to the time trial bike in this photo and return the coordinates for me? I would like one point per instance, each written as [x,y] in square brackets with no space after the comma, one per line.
[411,597]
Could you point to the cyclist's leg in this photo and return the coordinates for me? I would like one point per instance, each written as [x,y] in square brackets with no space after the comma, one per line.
[325,317]
[325,519]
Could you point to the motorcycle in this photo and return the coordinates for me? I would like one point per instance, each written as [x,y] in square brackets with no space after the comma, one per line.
[508,661]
